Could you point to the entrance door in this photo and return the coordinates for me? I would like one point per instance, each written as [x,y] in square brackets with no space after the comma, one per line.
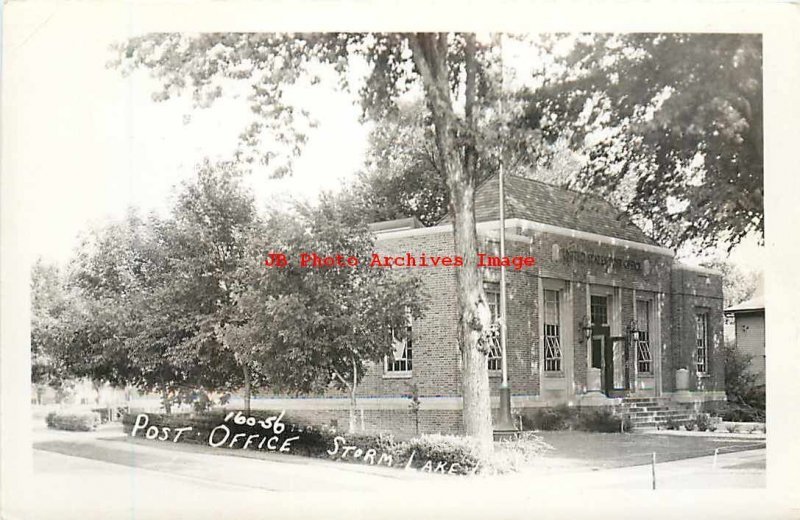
[602,347]
[603,357]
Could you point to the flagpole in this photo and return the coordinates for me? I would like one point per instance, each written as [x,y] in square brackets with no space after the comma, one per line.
[505,424]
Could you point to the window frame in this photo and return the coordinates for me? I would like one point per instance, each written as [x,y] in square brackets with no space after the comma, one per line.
[494,361]
[553,364]
[389,369]
[592,306]
[701,342]
[644,343]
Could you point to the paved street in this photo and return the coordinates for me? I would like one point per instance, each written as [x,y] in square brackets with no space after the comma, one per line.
[128,480]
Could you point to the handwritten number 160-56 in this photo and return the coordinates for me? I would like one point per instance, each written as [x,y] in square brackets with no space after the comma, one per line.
[274,422]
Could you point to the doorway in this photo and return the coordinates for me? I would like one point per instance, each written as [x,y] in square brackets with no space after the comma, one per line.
[603,357]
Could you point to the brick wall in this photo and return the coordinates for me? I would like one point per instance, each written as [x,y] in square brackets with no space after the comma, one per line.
[436,357]
[694,292]
[399,422]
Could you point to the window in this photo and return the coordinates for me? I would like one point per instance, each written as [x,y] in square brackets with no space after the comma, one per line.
[402,352]
[644,358]
[495,353]
[552,331]
[599,310]
[701,330]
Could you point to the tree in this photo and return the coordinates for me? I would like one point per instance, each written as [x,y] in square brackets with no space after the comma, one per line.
[49,305]
[313,326]
[459,82]
[401,176]
[738,284]
[671,125]
[117,332]
[128,325]
[209,239]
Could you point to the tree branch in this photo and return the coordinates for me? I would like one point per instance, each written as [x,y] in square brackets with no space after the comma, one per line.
[337,375]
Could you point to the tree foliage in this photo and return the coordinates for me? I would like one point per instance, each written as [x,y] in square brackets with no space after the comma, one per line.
[49,308]
[738,284]
[672,124]
[319,326]
[459,84]
[209,238]
[185,302]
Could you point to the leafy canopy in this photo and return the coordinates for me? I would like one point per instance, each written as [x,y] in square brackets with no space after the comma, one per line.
[671,125]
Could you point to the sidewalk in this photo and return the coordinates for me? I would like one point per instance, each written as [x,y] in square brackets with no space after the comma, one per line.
[288,473]
[74,488]
[266,471]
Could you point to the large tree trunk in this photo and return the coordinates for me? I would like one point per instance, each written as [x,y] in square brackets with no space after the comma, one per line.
[353,403]
[469,289]
[430,56]
[247,388]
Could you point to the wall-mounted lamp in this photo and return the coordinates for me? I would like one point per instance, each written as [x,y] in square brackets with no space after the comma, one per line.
[633,331]
[585,327]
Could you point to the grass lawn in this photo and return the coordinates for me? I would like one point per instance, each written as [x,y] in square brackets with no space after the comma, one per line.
[614,450]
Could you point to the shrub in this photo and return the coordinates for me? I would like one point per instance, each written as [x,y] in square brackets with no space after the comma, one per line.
[318,441]
[741,413]
[511,454]
[450,449]
[599,421]
[690,424]
[740,383]
[730,428]
[560,417]
[77,421]
[313,441]
[703,422]
[672,424]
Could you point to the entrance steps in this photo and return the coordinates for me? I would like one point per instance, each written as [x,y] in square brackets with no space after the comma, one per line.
[654,412]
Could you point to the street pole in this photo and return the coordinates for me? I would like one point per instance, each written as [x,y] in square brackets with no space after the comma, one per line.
[504,421]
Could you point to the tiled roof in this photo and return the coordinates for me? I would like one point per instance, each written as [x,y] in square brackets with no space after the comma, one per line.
[544,203]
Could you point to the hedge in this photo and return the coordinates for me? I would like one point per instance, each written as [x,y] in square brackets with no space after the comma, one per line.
[78,421]
[565,417]
[434,453]
[732,412]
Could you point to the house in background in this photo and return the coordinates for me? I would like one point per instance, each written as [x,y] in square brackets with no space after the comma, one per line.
[748,319]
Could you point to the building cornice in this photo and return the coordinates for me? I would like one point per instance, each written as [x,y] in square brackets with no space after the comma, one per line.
[529,225]
[697,269]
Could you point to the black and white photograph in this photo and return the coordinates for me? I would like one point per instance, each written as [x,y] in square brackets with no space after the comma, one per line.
[322,269]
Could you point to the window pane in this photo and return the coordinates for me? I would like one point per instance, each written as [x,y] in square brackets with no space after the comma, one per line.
[599,310]
[644,357]
[400,360]
[552,331]
[701,329]
[495,353]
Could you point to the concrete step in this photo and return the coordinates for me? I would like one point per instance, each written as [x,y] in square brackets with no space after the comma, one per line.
[643,425]
[653,420]
[661,415]
[654,408]
[668,419]
[646,399]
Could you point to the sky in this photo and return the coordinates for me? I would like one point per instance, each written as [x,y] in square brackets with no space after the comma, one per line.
[92,143]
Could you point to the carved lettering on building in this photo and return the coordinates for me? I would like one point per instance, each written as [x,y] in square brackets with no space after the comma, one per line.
[606,261]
